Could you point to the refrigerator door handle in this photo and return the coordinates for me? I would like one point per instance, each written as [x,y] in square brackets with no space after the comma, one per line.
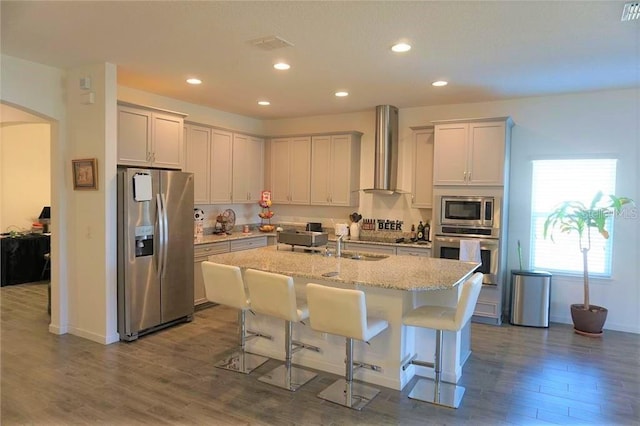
[165,243]
[161,247]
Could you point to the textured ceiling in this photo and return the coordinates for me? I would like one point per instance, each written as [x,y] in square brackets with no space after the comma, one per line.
[487,50]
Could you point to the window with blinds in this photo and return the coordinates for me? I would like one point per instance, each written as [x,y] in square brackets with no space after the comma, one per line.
[553,182]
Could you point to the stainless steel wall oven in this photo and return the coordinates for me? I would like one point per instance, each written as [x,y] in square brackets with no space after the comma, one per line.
[448,247]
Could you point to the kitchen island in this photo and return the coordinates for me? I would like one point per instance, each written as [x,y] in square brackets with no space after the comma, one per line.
[393,285]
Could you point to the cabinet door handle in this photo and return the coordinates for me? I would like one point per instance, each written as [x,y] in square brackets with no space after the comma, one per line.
[469,177]
[464,177]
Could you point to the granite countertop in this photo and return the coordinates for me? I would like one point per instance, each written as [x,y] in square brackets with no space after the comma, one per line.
[409,273]
[214,238]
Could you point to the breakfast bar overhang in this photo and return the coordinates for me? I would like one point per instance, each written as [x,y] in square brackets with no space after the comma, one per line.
[393,285]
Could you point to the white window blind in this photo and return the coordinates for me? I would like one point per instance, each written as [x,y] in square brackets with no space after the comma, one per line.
[553,182]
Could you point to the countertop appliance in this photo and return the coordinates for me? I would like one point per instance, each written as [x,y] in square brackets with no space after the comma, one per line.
[314,226]
[155,250]
[303,238]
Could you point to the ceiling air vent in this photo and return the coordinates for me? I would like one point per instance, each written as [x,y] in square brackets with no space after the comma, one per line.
[270,43]
[631,12]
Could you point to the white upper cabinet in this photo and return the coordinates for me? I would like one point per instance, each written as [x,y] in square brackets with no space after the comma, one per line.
[471,152]
[290,170]
[150,138]
[422,191]
[248,168]
[208,153]
[198,146]
[335,169]
[220,177]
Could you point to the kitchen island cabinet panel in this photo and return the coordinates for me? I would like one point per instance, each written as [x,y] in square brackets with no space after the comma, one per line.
[392,285]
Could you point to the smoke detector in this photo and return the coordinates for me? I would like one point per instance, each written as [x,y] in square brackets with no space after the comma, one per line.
[270,43]
[631,12]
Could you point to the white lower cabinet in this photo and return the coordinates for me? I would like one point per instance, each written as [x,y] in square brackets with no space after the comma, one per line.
[413,251]
[370,248]
[203,251]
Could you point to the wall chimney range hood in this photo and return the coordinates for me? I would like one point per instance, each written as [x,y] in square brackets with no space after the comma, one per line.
[385,174]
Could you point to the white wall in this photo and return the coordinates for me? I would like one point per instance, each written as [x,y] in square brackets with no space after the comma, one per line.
[93,223]
[25,174]
[39,90]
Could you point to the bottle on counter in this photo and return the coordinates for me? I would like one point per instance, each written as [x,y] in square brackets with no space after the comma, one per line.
[427,232]
[413,232]
[420,235]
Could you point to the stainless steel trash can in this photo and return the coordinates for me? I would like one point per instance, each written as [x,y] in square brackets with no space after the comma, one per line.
[530,298]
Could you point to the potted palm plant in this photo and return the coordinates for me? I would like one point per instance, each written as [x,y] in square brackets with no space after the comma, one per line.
[574,216]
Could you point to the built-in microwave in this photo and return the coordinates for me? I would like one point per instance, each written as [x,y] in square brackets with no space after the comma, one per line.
[467,211]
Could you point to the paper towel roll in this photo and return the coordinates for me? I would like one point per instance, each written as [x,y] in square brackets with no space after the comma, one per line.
[341,229]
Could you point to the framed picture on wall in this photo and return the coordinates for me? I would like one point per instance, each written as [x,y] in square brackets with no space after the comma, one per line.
[85,173]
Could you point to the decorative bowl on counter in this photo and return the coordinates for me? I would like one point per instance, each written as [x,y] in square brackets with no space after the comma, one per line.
[267,228]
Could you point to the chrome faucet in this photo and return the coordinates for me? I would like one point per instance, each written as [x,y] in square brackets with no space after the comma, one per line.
[339,245]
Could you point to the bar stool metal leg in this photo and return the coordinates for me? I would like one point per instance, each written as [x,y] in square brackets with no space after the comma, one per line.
[241,361]
[345,391]
[287,376]
[436,391]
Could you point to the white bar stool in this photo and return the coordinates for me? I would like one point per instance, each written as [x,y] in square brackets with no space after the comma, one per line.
[442,318]
[343,312]
[274,295]
[223,284]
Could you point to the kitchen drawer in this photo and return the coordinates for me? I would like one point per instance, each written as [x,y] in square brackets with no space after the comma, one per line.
[248,243]
[206,250]
[412,251]
[370,248]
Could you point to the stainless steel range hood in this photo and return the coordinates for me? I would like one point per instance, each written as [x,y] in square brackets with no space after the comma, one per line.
[385,175]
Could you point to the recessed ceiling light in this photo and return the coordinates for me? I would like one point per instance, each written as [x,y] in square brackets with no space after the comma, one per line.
[282,66]
[194,81]
[401,47]
[342,94]
[439,83]
[264,103]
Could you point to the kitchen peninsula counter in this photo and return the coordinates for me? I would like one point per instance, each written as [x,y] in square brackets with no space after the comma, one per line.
[392,285]
[407,273]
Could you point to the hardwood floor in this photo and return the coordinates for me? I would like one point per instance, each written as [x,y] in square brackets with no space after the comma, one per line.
[516,375]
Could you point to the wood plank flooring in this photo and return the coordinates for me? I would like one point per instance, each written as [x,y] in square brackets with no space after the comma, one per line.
[515,376]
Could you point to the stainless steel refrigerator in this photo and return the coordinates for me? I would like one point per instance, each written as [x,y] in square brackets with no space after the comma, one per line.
[155,250]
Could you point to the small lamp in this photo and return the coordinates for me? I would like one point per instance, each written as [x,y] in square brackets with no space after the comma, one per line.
[45,218]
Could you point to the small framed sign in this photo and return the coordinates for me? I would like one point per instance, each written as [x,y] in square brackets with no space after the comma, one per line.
[85,173]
